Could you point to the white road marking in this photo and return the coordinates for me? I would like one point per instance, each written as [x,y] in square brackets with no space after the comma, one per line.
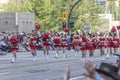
[3,73]
[79,77]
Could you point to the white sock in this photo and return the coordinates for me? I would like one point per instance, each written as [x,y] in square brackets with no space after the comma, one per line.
[34,58]
[76,53]
[91,59]
[107,55]
[64,55]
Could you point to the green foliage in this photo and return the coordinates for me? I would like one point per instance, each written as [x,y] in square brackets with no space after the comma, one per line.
[48,12]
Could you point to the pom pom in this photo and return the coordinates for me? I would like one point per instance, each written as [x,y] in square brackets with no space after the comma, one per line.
[56,40]
[113,29]
[66,29]
[14,41]
[37,26]
[118,27]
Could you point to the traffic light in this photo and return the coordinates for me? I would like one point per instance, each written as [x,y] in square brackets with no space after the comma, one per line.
[64,25]
[71,23]
[64,16]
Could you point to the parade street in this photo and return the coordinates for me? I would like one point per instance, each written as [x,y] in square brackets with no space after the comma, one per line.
[46,69]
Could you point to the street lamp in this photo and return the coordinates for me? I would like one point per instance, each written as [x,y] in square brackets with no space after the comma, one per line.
[69,16]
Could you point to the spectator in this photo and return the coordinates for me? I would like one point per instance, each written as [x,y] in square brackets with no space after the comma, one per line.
[67,74]
[104,72]
[4,46]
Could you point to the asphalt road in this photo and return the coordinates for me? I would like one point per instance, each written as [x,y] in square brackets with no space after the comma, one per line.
[46,69]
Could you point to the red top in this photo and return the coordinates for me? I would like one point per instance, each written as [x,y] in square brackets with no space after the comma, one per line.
[14,40]
[76,37]
[64,40]
[84,39]
[102,39]
[110,39]
[45,37]
[34,39]
[56,40]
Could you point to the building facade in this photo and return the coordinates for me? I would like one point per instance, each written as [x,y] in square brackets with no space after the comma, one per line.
[19,21]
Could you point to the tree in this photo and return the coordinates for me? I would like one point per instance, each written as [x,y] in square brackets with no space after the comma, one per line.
[48,12]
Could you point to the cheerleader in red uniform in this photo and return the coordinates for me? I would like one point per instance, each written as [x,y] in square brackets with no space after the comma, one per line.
[92,45]
[57,44]
[33,45]
[109,44]
[14,46]
[116,42]
[84,45]
[76,43]
[102,43]
[64,43]
[46,44]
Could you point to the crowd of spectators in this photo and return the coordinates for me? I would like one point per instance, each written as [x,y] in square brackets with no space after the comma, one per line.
[5,41]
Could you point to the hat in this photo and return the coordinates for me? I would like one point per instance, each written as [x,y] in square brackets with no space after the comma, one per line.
[108,70]
[117,55]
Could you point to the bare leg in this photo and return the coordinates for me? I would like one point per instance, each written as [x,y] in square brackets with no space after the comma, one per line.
[47,49]
[14,57]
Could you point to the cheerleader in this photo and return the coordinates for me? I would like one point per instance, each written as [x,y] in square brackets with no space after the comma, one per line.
[34,45]
[57,44]
[14,47]
[64,43]
[76,43]
[109,44]
[84,45]
[92,45]
[46,44]
[102,43]
[116,42]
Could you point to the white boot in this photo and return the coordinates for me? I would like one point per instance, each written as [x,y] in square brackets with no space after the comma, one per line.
[13,60]
[47,56]
[57,55]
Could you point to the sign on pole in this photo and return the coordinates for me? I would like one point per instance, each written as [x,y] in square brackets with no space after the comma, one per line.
[112,0]
[86,28]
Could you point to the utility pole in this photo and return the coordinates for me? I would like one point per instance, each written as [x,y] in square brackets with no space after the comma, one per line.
[69,16]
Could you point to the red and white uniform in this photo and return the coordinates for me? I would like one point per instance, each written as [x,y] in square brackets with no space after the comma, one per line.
[57,42]
[33,43]
[102,42]
[64,42]
[14,43]
[109,42]
[76,40]
[113,29]
[46,40]
[84,43]
[92,44]
[116,42]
